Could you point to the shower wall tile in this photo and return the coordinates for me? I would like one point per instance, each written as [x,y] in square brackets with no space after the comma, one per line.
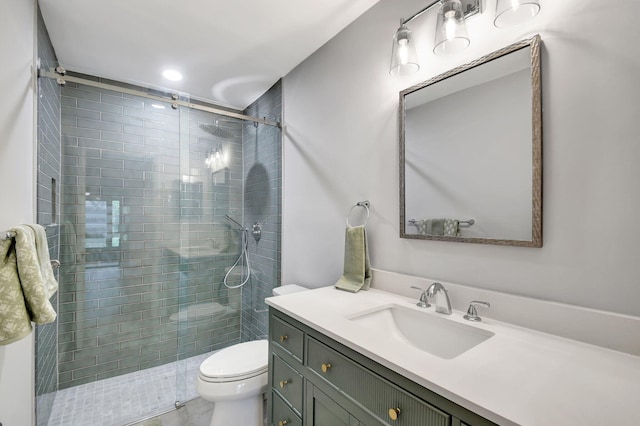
[262,203]
[48,210]
[144,243]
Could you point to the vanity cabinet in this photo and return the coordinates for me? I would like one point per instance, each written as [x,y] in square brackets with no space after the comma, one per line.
[316,381]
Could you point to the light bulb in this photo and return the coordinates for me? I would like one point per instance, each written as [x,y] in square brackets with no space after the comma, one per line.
[450,27]
[403,51]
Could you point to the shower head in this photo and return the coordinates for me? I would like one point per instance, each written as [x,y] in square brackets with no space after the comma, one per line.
[214,129]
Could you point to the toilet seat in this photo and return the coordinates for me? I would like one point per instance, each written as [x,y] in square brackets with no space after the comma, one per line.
[237,362]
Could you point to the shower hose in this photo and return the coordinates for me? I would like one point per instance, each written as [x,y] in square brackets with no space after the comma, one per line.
[244,253]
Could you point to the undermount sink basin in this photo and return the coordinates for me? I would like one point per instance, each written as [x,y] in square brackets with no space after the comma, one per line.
[438,336]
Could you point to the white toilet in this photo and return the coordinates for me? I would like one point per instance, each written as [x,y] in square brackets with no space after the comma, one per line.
[235,379]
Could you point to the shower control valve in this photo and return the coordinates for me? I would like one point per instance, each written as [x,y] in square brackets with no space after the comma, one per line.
[257,231]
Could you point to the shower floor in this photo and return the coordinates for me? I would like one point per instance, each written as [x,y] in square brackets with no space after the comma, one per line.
[125,399]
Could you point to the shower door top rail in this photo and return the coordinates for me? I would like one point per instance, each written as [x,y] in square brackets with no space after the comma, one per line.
[60,76]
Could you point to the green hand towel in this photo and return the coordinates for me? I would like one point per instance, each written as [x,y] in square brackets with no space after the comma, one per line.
[357,269]
[23,292]
[451,228]
[14,318]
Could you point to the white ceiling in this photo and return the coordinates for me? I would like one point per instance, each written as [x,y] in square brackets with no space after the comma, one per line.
[230,52]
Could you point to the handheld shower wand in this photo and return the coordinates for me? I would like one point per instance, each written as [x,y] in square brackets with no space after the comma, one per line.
[244,252]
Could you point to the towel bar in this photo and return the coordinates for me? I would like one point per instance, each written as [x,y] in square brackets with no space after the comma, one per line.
[55,264]
[463,223]
[10,234]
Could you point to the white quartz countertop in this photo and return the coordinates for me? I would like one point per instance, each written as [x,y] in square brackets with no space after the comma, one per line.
[517,377]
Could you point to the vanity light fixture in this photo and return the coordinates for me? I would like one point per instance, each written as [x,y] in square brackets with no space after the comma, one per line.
[404,59]
[216,159]
[451,30]
[451,34]
[513,12]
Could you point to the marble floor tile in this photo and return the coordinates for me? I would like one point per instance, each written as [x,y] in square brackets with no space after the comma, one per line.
[122,400]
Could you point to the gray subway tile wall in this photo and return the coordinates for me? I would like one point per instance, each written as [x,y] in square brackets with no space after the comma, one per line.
[262,203]
[144,244]
[48,200]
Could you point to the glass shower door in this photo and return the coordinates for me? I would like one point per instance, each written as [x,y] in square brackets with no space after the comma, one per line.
[210,188]
[120,239]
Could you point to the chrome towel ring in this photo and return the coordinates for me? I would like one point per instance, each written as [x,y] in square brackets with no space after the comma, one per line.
[363,204]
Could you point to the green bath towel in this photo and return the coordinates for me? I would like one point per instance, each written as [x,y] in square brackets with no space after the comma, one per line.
[24,293]
[357,270]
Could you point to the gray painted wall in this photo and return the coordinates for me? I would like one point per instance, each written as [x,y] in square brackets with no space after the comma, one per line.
[341,137]
[17,172]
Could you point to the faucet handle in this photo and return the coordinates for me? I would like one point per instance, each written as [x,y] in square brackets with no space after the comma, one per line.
[472,313]
[424,301]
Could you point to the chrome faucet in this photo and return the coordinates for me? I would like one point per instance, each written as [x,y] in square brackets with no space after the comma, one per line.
[440,297]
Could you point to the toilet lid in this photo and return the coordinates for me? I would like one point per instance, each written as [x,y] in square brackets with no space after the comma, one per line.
[236,362]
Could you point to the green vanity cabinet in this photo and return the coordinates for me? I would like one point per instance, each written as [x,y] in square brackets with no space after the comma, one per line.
[316,381]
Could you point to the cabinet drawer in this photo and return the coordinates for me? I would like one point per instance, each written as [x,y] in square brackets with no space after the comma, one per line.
[287,337]
[371,391]
[287,382]
[282,414]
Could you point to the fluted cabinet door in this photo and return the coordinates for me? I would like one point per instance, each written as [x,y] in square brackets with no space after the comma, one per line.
[324,411]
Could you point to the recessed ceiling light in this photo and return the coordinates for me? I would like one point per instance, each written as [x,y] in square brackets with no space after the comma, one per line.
[172,75]
[158,106]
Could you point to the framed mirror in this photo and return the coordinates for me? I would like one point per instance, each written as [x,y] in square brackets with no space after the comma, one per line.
[471,152]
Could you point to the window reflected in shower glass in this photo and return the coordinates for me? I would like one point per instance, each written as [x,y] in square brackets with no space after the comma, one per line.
[98,220]
[54,200]
[115,223]
[96,224]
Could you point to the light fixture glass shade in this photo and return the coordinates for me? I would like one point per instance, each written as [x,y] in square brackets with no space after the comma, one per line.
[451,31]
[513,12]
[404,59]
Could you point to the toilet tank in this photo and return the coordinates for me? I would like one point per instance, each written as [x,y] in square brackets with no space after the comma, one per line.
[288,289]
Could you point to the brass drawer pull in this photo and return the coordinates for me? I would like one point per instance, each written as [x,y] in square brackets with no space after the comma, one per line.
[325,367]
[283,338]
[283,383]
[394,413]
[283,422]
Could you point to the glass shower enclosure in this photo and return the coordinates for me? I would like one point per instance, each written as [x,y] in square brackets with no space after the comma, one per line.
[145,247]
